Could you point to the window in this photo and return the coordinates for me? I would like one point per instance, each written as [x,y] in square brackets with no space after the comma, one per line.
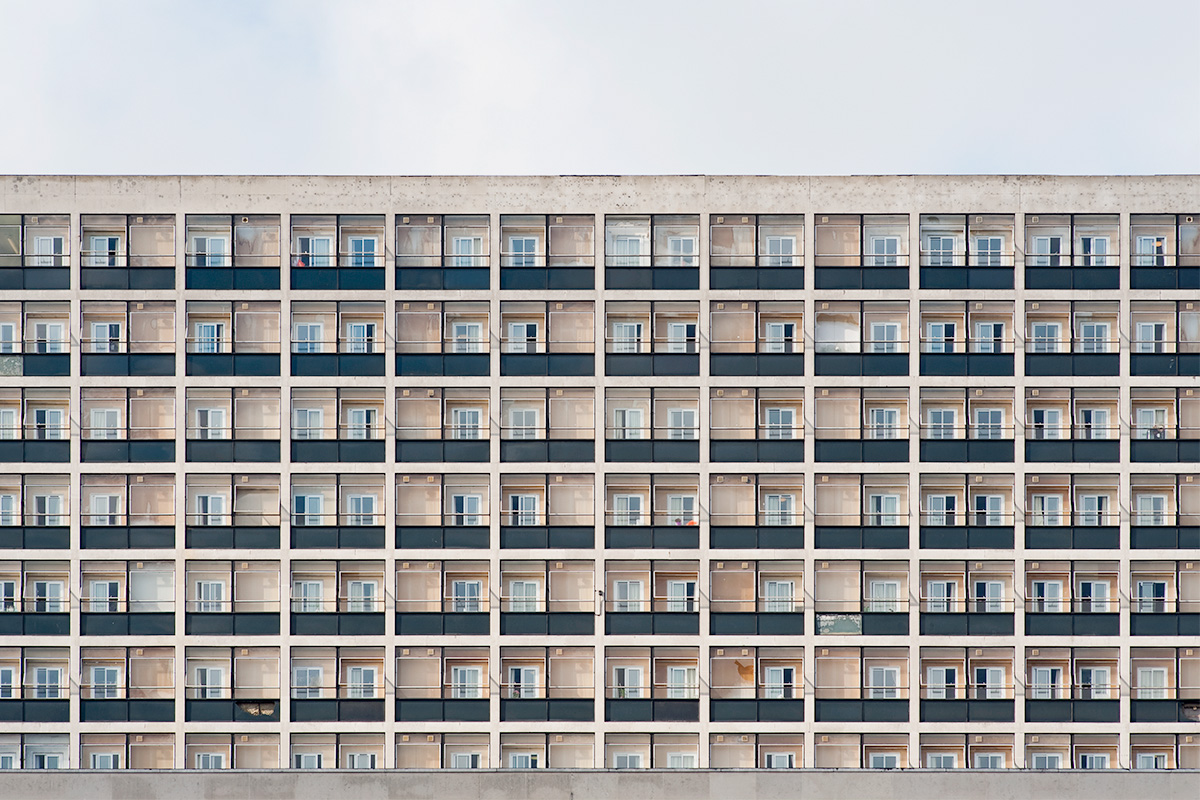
[1150,251]
[466,683]
[522,761]
[524,596]
[627,337]
[1046,509]
[47,761]
[780,597]
[210,761]
[988,251]
[1047,251]
[1093,337]
[780,683]
[47,510]
[781,337]
[1047,597]
[309,337]
[681,596]
[48,597]
[105,423]
[627,682]
[626,251]
[940,509]
[780,251]
[1046,336]
[308,509]
[362,683]
[105,509]
[627,596]
[523,423]
[106,337]
[941,423]
[306,760]
[989,337]
[779,760]
[104,683]
[989,423]
[210,509]
[9,429]
[883,509]
[989,597]
[49,337]
[989,683]
[627,760]
[361,423]
[1047,423]
[883,683]
[627,509]
[1151,509]
[466,251]
[1046,683]
[885,338]
[627,423]
[682,251]
[8,595]
[940,596]
[1149,337]
[466,337]
[1151,597]
[522,682]
[1093,423]
[884,761]
[884,423]
[465,423]
[883,251]
[360,337]
[1093,509]
[466,509]
[681,509]
[523,509]
[1047,761]
[941,761]
[940,251]
[522,251]
[781,423]
[1093,683]
[1151,423]
[681,337]
[104,596]
[1093,597]
[681,760]
[1093,761]
[681,423]
[307,597]
[210,251]
[360,761]
[210,597]
[522,337]
[106,761]
[308,423]
[682,683]
[362,252]
[1151,761]
[780,509]
[103,251]
[48,423]
[210,337]
[48,251]
[8,337]
[1094,250]
[48,683]
[883,597]
[362,597]
[989,761]
[464,761]
[466,596]
[939,337]
[1152,683]
[210,424]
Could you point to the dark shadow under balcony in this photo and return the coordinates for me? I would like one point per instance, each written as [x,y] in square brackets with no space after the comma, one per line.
[1072,710]
[750,710]
[36,537]
[340,710]
[124,537]
[787,450]
[451,364]
[966,277]
[126,710]
[1164,624]
[370,537]
[871,450]
[135,624]
[337,624]
[1164,364]
[139,278]
[1041,277]
[233,450]
[751,623]
[663,623]
[856,537]
[443,278]
[338,278]
[1164,277]
[861,364]
[645,710]
[957,537]
[651,364]
[953,364]
[547,450]
[35,451]
[217,364]
[434,623]
[231,710]
[1072,364]
[862,277]
[139,364]
[1170,451]
[221,537]
[755,537]
[851,710]
[1072,537]
[362,450]
[339,364]
[548,278]
[1164,537]
[564,709]
[684,537]
[227,278]
[1073,450]
[34,624]
[652,450]
[436,537]
[452,451]
[967,624]
[548,536]
[237,623]
[960,450]
[434,710]
[127,450]
[964,710]
[559,364]
[1071,624]
[554,623]
[760,364]
[35,710]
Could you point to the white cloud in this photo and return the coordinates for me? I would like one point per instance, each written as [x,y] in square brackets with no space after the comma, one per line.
[537,86]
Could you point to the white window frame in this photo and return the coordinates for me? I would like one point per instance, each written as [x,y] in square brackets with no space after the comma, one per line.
[878,511]
[466,423]
[627,683]
[885,337]
[1048,597]
[628,509]
[466,595]
[939,337]
[466,509]
[627,337]
[883,251]
[466,337]
[309,337]
[360,337]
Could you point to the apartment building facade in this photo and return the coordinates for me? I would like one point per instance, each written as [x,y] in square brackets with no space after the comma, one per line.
[600,473]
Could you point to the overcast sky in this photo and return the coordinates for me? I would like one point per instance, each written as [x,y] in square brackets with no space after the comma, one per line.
[600,86]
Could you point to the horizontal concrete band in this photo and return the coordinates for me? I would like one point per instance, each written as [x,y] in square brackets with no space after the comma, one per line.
[599,784]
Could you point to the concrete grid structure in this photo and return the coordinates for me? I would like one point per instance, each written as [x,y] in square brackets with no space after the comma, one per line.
[600,472]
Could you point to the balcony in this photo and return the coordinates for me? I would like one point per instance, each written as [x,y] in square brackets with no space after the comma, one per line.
[149,623]
[238,537]
[126,710]
[1070,537]
[859,537]
[1071,624]
[436,252]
